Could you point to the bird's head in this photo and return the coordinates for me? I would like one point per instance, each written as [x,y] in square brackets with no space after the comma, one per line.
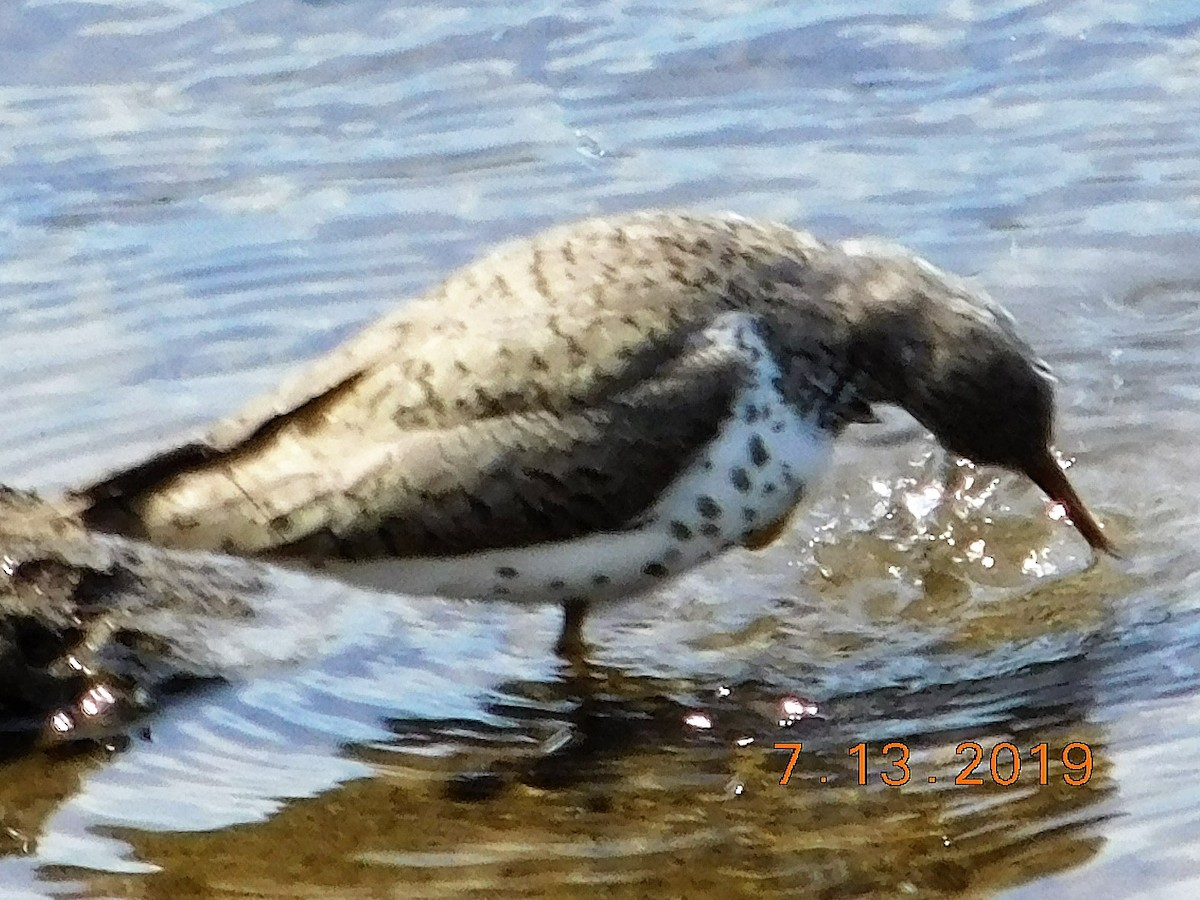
[953,359]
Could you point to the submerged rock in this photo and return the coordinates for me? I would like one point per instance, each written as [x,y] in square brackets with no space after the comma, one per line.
[93,627]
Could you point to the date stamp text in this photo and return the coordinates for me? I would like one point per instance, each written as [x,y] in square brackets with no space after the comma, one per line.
[1000,763]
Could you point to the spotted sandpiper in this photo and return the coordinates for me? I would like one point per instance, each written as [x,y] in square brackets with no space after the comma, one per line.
[581,414]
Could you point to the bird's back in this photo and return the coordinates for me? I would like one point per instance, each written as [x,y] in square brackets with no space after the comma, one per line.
[522,400]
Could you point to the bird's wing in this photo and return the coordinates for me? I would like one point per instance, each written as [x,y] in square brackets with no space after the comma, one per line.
[428,366]
[359,471]
[329,376]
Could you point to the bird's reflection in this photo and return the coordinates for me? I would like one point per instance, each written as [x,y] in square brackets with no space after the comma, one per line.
[623,750]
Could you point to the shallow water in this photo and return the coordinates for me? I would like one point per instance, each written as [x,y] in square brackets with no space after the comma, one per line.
[195,197]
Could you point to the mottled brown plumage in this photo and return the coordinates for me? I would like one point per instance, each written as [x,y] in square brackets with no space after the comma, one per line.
[555,388]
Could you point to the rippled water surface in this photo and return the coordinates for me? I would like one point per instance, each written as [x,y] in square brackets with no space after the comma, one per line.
[195,196]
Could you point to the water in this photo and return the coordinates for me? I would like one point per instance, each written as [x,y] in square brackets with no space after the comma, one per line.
[194,197]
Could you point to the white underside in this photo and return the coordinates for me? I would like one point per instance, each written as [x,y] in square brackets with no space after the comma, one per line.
[797,451]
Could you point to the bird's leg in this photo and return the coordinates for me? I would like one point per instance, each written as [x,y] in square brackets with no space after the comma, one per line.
[571,645]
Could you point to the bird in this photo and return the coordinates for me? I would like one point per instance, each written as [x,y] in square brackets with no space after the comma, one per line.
[581,414]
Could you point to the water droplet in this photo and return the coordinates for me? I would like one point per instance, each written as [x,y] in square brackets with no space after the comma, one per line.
[924,501]
[698,720]
[796,708]
[97,701]
[588,146]
[1038,568]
